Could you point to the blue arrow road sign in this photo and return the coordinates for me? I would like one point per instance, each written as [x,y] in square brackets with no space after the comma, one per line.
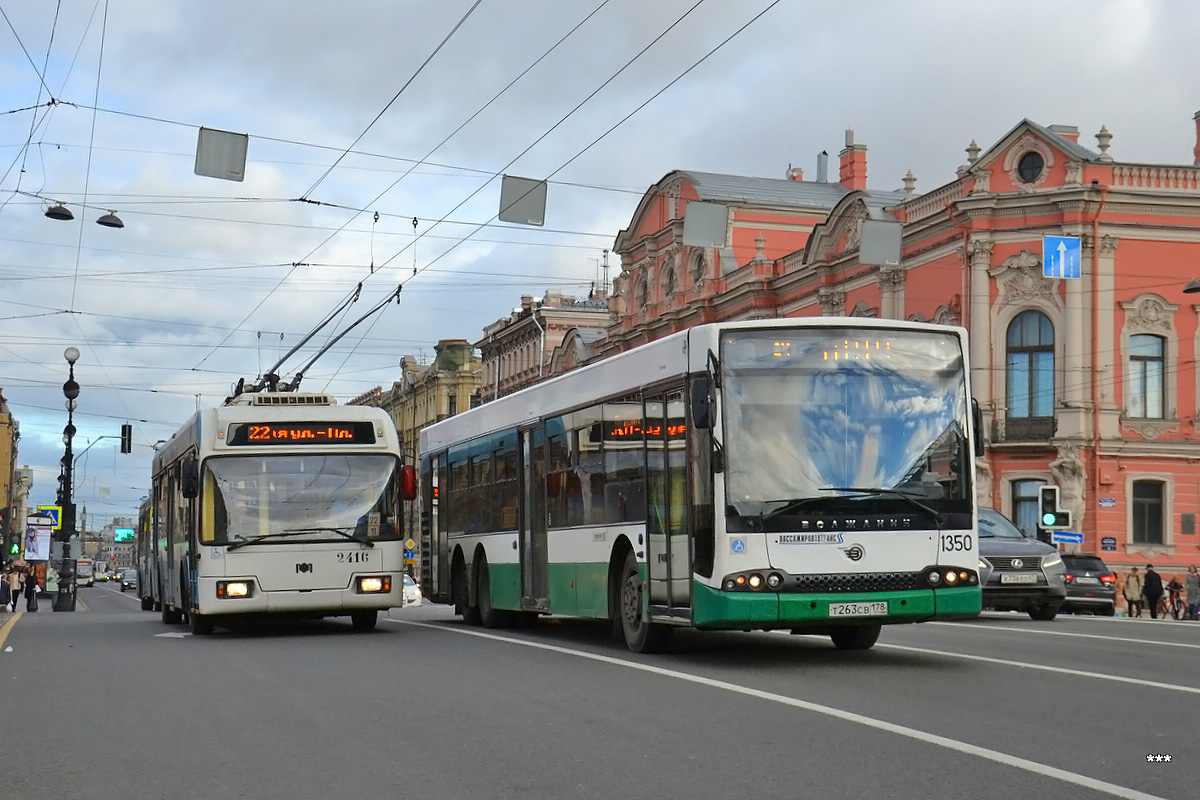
[1066,537]
[1061,256]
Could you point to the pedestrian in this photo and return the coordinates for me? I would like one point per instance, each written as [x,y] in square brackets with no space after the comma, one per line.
[31,590]
[15,585]
[1133,593]
[1191,584]
[1152,590]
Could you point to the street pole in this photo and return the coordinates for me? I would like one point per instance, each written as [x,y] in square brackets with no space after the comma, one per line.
[65,599]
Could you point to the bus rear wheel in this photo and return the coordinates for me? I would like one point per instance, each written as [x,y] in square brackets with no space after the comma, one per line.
[490,617]
[171,616]
[860,637]
[641,636]
[364,620]
[147,604]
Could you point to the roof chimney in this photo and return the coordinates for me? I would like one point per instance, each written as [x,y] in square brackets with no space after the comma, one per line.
[526,302]
[1196,149]
[823,167]
[853,173]
[1068,132]
[795,173]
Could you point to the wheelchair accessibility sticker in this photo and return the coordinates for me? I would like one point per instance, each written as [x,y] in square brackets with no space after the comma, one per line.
[737,545]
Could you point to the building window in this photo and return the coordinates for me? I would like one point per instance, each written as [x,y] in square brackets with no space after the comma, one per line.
[1025,504]
[1147,377]
[1147,512]
[1030,376]
[699,266]
[669,283]
[1030,167]
[453,402]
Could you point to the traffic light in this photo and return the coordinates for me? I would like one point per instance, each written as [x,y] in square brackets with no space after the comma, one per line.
[126,438]
[1050,516]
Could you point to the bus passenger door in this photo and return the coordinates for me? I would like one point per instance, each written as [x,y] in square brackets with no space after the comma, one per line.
[535,579]
[668,560]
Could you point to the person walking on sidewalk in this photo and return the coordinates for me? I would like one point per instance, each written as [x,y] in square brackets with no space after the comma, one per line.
[1191,585]
[1152,590]
[1133,593]
[15,585]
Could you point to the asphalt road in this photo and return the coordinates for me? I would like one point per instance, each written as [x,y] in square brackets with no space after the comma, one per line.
[112,703]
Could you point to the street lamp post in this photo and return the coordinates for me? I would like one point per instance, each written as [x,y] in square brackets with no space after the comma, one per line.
[65,599]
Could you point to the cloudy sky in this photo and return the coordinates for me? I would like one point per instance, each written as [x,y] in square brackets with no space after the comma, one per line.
[365,115]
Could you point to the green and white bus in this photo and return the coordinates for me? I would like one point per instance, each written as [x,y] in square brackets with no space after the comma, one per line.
[807,474]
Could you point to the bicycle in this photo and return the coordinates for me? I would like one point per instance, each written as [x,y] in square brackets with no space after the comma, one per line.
[1172,604]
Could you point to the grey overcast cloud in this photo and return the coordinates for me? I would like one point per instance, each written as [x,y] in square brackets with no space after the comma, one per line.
[365,116]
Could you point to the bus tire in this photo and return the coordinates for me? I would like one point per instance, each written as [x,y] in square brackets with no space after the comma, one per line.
[640,635]
[147,604]
[489,617]
[470,611]
[364,620]
[859,637]
[171,616]
[199,624]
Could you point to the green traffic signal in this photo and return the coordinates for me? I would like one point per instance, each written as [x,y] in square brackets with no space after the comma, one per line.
[1049,518]
[14,549]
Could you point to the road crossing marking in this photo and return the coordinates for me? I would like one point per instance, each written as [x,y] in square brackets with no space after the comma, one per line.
[1006,759]
[1154,642]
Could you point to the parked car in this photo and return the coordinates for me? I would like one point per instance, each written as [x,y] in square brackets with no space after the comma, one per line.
[1091,586]
[1018,573]
[412,592]
[129,580]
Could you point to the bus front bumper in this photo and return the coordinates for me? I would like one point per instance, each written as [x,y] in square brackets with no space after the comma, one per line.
[716,610]
[330,602]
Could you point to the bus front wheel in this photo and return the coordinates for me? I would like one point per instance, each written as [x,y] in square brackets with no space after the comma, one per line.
[860,637]
[641,636]
[364,620]
[199,624]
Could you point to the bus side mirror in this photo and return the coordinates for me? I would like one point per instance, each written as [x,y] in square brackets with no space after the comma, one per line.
[977,424]
[701,402]
[408,482]
[189,478]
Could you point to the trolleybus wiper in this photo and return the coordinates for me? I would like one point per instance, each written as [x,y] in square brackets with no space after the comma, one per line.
[791,505]
[257,539]
[937,516]
[339,531]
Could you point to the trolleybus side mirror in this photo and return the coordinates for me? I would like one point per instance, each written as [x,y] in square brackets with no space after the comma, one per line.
[977,424]
[189,478]
[701,401]
[408,482]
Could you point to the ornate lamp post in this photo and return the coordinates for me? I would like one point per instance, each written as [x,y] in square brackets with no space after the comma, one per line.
[65,599]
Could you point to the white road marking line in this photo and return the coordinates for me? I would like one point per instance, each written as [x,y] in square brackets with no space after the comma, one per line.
[1154,642]
[1035,767]
[1045,668]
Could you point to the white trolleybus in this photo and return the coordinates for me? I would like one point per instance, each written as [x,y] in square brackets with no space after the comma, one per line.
[276,503]
[813,475]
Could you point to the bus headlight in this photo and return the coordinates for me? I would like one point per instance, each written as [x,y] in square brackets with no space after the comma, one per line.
[375,584]
[229,589]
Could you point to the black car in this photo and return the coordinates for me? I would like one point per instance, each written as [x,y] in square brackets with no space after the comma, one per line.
[1018,573]
[1091,586]
[129,580]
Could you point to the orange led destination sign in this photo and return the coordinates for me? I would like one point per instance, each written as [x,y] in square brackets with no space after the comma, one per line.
[297,433]
[634,429]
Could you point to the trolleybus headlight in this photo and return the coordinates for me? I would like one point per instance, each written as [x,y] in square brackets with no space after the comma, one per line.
[951,577]
[935,578]
[235,588]
[756,581]
[774,580]
[375,584]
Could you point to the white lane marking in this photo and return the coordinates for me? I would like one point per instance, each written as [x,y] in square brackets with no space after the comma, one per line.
[1154,642]
[1035,767]
[1079,673]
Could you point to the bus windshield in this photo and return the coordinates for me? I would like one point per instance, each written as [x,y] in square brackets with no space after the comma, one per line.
[306,497]
[810,411]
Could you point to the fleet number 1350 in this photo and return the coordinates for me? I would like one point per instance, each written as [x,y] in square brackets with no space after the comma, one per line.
[956,542]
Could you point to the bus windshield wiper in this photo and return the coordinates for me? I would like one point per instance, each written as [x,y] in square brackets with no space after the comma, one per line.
[256,539]
[937,516]
[792,504]
[347,532]
[293,532]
